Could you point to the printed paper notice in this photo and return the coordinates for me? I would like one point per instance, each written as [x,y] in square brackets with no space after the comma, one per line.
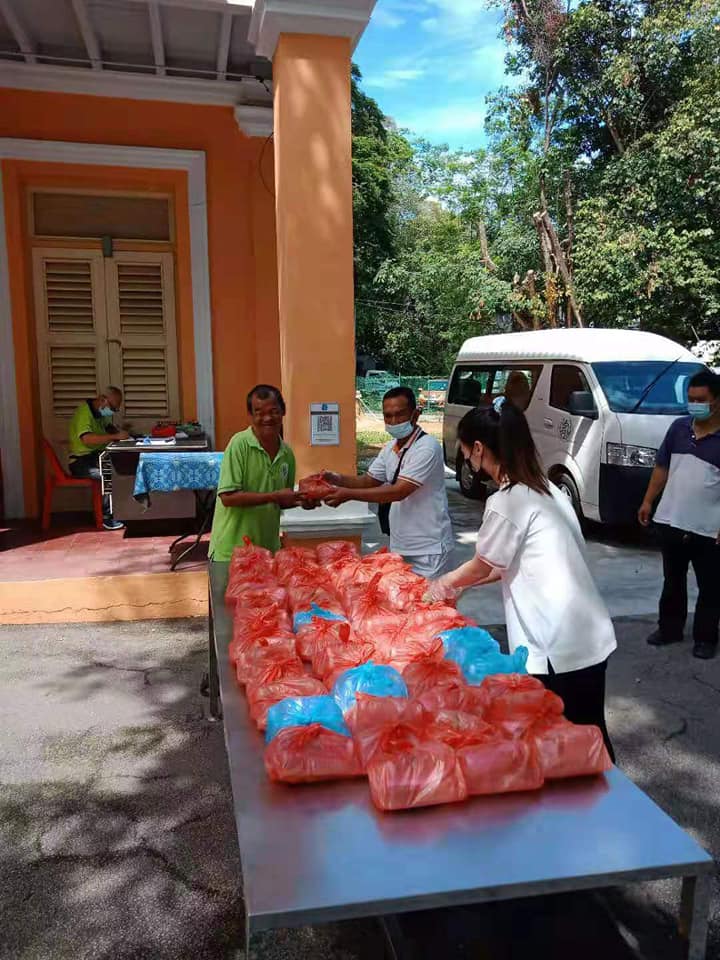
[325,424]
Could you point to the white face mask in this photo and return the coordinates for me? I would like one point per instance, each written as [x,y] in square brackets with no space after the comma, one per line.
[400,431]
[106,411]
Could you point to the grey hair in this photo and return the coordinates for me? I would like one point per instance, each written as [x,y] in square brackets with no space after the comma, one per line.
[116,390]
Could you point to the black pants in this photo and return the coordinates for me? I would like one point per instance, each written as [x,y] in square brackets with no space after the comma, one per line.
[89,466]
[583,693]
[679,550]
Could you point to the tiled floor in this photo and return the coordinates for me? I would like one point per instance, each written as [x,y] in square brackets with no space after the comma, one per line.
[26,553]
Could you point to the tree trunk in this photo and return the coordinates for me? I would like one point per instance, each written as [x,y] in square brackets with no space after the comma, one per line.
[486,258]
[549,270]
[557,251]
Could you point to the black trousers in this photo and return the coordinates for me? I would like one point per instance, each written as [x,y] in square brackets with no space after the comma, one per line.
[679,551]
[583,693]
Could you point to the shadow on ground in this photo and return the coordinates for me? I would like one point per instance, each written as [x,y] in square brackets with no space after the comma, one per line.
[116,831]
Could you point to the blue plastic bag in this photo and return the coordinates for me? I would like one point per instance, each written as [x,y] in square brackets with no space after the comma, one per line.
[464,642]
[305,616]
[475,670]
[478,655]
[301,712]
[377,679]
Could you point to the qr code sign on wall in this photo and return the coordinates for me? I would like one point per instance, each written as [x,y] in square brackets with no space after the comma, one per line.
[325,424]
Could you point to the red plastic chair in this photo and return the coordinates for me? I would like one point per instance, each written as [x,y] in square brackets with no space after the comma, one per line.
[55,476]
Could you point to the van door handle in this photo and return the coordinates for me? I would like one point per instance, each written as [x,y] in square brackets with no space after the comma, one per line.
[547,423]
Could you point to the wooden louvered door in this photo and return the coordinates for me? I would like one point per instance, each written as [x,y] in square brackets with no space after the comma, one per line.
[141,336]
[71,324]
[103,321]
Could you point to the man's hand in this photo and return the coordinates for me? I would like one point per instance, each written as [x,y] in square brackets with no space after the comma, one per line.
[121,435]
[334,478]
[307,504]
[645,513]
[286,499]
[339,495]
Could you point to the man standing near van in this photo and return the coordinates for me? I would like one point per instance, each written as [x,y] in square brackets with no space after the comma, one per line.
[408,476]
[687,473]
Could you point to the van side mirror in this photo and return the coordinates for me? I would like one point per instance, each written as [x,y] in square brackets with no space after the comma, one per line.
[582,404]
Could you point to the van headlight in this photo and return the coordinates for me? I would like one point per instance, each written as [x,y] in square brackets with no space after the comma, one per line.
[626,455]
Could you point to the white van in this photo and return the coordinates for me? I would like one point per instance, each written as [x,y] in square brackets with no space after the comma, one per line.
[599,403]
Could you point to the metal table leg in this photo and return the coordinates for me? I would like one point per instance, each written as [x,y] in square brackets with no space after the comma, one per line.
[694,914]
[215,711]
[205,506]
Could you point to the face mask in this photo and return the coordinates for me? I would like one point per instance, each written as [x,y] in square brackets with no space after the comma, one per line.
[700,411]
[106,411]
[477,471]
[400,431]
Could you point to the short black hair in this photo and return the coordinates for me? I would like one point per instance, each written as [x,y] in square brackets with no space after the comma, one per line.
[264,391]
[398,392]
[706,378]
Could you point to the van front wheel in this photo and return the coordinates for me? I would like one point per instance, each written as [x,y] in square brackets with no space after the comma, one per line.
[566,485]
[471,486]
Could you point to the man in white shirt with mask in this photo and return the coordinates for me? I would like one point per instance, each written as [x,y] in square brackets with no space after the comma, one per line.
[408,478]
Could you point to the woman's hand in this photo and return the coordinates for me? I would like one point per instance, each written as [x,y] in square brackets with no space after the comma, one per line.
[439,590]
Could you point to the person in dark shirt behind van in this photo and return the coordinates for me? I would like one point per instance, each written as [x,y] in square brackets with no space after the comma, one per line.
[517,390]
[687,473]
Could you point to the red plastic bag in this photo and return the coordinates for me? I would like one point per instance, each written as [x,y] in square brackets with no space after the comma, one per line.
[330,661]
[400,651]
[568,749]
[427,674]
[251,625]
[333,550]
[304,596]
[264,650]
[309,754]
[250,593]
[261,698]
[403,589]
[249,560]
[321,633]
[517,700]
[274,667]
[291,561]
[370,717]
[431,620]
[500,765]
[456,728]
[408,771]
[315,487]
[455,695]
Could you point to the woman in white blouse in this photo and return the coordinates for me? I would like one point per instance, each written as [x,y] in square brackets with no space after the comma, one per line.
[530,539]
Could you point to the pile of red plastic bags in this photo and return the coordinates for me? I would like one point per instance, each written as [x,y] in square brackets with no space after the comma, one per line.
[351,673]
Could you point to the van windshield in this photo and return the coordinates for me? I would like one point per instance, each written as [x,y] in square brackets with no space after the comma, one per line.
[624,382]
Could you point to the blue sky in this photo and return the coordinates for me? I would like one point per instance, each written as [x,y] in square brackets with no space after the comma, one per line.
[430,64]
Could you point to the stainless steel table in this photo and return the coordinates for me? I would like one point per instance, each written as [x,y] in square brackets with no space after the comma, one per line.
[323,853]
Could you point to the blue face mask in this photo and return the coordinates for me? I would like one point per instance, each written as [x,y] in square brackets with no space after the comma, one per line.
[700,411]
[400,431]
[106,411]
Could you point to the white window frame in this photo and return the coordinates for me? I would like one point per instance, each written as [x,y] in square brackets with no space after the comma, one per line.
[192,162]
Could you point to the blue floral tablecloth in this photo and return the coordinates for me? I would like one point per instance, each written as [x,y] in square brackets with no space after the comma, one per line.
[165,472]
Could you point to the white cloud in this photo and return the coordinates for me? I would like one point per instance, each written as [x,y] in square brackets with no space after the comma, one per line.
[385,17]
[453,121]
[395,77]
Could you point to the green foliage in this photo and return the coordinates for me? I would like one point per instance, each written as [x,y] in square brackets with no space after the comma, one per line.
[613,130]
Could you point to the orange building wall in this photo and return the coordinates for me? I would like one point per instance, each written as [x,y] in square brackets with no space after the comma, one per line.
[241,235]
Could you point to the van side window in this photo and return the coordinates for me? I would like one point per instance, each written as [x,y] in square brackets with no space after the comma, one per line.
[566,380]
[470,386]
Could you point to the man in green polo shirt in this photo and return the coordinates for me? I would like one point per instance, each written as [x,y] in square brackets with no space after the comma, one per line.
[91,430]
[256,479]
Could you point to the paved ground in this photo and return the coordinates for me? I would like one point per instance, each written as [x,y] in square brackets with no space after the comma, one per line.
[116,839]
